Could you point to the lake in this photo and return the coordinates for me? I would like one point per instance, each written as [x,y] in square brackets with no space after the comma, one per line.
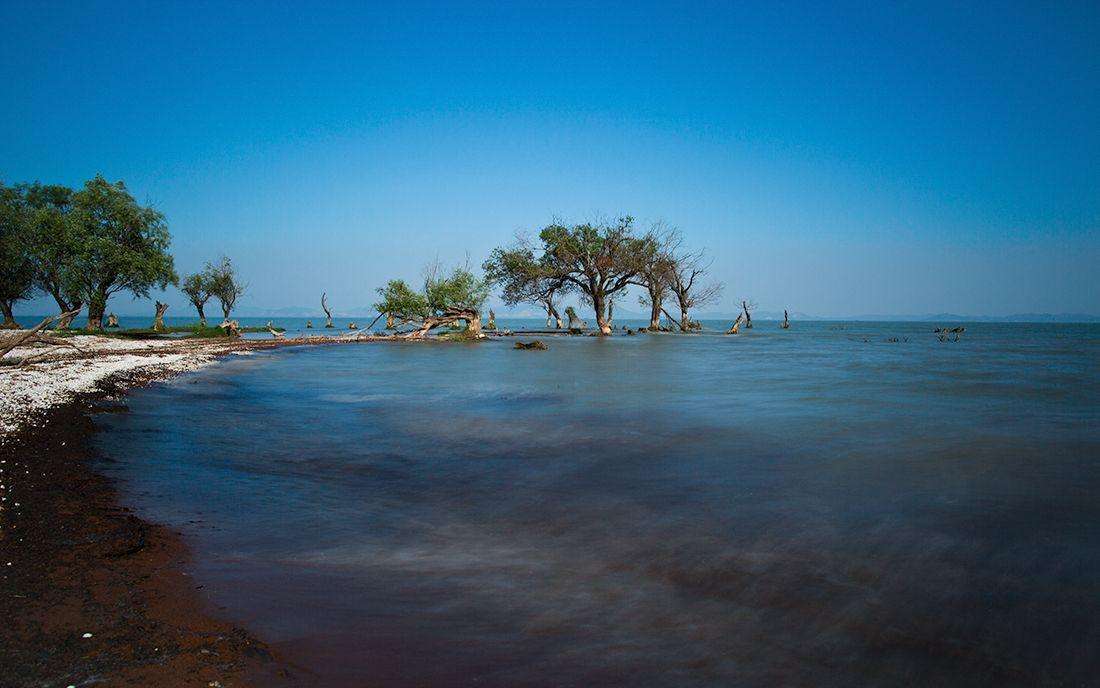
[818,506]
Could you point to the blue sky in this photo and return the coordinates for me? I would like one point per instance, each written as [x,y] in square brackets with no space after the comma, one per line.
[834,158]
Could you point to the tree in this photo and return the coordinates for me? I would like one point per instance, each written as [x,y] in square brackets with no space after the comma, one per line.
[16,268]
[687,269]
[444,300]
[655,275]
[598,259]
[118,246]
[54,246]
[225,285]
[526,279]
[197,288]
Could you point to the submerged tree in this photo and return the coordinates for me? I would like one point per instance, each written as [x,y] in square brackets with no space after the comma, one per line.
[324,307]
[225,284]
[686,274]
[444,300]
[655,275]
[118,246]
[524,278]
[599,259]
[16,268]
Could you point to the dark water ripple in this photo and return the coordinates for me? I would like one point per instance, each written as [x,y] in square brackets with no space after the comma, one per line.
[812,507]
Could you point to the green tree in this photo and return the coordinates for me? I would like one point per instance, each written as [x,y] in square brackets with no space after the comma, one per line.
[53,244]
[525,278]
[445,299]
[197,288]
[224,283]
[16,268]
[119,245]
[599,259]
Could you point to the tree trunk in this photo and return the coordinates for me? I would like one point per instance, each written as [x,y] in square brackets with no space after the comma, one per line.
[95,314]
[473,323]
[158,320]
[685,321]
[9,319]
[654,314]
[389,321]
[202,315]
[553,318]
[328,314]
[600,307]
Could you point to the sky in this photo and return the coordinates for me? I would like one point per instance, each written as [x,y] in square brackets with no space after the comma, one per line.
[832,158]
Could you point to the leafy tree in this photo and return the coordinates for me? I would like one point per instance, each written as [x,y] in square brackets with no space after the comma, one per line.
[444,300]
[53,244]
[224,283]
[16,268]
[655,275]
[197,288]
[526,279]
[599,259]
[118,246]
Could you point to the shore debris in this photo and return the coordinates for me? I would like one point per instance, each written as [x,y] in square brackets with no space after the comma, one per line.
[536,344]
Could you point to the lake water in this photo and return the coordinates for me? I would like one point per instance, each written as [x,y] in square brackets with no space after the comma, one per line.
[818,506]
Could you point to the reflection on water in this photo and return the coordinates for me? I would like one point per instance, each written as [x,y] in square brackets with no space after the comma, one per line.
[811,507]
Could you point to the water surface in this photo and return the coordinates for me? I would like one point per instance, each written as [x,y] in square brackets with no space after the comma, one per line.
[821,506]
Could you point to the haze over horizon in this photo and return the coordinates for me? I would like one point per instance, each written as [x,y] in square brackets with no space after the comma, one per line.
[842,160]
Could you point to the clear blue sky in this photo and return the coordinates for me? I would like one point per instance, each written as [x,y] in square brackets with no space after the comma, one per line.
[834,158]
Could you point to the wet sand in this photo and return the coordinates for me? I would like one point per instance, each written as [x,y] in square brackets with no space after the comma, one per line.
[76,562]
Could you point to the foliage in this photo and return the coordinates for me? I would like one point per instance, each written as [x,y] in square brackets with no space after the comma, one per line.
[117,245]
[457,296]
[223,282]
[197,288]
[598,259]
[16,268]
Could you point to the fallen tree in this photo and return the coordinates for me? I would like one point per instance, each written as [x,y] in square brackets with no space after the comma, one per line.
[445,300]
[9,342]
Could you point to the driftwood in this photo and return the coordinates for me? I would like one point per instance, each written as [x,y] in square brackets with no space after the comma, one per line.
[748,315]
[275,333]
[328,313]
[786,324]
[537,345]
[112,320]
[736,324]
[352,326]
[34,336]
[232,328]
[158,320]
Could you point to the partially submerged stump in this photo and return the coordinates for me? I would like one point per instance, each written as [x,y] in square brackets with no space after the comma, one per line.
[309,324]
[786,324]
[736,324]
[575,323]
[352,326]
[536,345]
[945,332]
[328,313]
[275,333]
[158,320]
[232,328]
[112,320]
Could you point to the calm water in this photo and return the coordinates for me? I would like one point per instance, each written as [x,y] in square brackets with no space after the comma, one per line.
[812,507]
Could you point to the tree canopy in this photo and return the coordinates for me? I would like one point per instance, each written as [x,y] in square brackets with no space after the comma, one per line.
[445,298]
[118,245]
[16,268]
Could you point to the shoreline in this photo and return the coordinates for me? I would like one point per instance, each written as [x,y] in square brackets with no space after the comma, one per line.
[77,561]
